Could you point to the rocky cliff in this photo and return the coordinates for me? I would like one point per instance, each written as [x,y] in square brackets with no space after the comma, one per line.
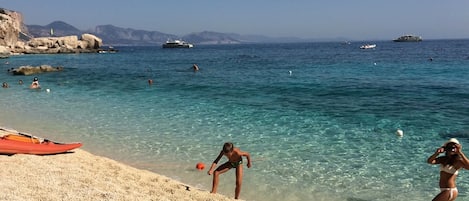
[10,26]
[15,39]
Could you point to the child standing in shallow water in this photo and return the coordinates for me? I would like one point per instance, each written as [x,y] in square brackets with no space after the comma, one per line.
[235,160]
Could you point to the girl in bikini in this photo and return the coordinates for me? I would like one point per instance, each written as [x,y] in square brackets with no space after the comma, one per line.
[453,160]
[235,160]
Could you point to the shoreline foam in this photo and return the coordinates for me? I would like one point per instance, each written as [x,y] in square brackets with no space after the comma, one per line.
[80,175]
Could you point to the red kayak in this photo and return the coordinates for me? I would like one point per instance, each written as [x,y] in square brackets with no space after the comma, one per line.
[13,142]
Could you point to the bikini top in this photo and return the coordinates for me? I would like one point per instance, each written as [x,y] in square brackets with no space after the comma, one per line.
[449,169]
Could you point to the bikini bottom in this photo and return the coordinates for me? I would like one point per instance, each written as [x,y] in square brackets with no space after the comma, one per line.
[451,190]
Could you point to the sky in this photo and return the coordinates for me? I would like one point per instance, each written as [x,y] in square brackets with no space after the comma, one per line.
[308,19]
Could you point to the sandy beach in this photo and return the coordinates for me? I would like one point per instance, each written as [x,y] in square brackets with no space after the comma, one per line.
[80,175]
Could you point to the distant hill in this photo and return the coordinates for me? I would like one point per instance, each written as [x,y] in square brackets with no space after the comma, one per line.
[112,35]
[59,29]
[126,36]
[208,37]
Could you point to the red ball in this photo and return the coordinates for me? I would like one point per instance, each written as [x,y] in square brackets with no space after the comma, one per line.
[200,166]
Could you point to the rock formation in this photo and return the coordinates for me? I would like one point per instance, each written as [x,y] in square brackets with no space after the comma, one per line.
[4,52]
[30,70]
[10,26]
[66,44]
[14,37]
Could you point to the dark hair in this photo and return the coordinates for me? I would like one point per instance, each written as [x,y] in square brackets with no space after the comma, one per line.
[228,147]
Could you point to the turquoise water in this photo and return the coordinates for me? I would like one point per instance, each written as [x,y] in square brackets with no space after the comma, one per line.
[324,132]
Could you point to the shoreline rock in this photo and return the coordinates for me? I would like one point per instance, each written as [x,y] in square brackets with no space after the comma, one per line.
[55,45]
[30,70]
[4,53]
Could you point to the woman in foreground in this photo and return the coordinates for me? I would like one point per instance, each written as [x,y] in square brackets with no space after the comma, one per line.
[453,160]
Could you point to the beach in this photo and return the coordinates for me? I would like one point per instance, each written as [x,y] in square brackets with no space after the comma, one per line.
[80,175]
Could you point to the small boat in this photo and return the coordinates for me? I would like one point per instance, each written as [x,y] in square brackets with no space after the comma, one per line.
[14,142]
[368,46]
[177,44]
[109,50]
[408,38]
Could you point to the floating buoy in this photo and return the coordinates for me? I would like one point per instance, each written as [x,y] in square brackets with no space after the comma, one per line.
[399,133]
[200,166]
[47,90]
[290,72]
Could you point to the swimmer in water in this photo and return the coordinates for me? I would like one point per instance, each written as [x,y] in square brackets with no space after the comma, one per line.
[35,84]
[195,67]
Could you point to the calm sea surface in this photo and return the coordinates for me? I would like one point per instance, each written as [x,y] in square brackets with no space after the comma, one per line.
[325,131]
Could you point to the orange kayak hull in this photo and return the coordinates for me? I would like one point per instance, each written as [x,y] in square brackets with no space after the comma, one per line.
[20,147]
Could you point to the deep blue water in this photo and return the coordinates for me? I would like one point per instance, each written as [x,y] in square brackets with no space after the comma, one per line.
[325,131]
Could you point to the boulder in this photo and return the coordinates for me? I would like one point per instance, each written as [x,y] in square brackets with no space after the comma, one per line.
[93,41]
[4,52]
[30,70]
[69,42]
[41,42]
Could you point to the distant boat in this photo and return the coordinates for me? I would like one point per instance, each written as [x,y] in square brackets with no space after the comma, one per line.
[110,50]
[177,44]
[368,46]
[408,38]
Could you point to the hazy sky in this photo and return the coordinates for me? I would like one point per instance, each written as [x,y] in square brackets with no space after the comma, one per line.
[353,19]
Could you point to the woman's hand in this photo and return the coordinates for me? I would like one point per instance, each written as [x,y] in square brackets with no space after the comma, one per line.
[458,148]
[440,150]
[432,158]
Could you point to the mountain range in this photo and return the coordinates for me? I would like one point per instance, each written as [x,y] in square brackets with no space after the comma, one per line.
[112,35]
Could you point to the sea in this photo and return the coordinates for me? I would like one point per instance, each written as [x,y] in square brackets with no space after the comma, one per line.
[318,119]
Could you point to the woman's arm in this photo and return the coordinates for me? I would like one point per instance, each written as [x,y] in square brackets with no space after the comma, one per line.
[433,159]
[464,159]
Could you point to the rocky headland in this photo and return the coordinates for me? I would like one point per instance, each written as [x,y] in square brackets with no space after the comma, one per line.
[14,39]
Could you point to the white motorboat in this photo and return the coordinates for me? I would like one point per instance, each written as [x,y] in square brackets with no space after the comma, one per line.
[368,46]
[177,44]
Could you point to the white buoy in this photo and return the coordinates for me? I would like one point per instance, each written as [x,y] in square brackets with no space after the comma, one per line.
[290,72]
[47,90]
[374,64]
[399,133]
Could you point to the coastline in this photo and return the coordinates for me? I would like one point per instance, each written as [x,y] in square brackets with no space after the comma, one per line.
[80,175]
